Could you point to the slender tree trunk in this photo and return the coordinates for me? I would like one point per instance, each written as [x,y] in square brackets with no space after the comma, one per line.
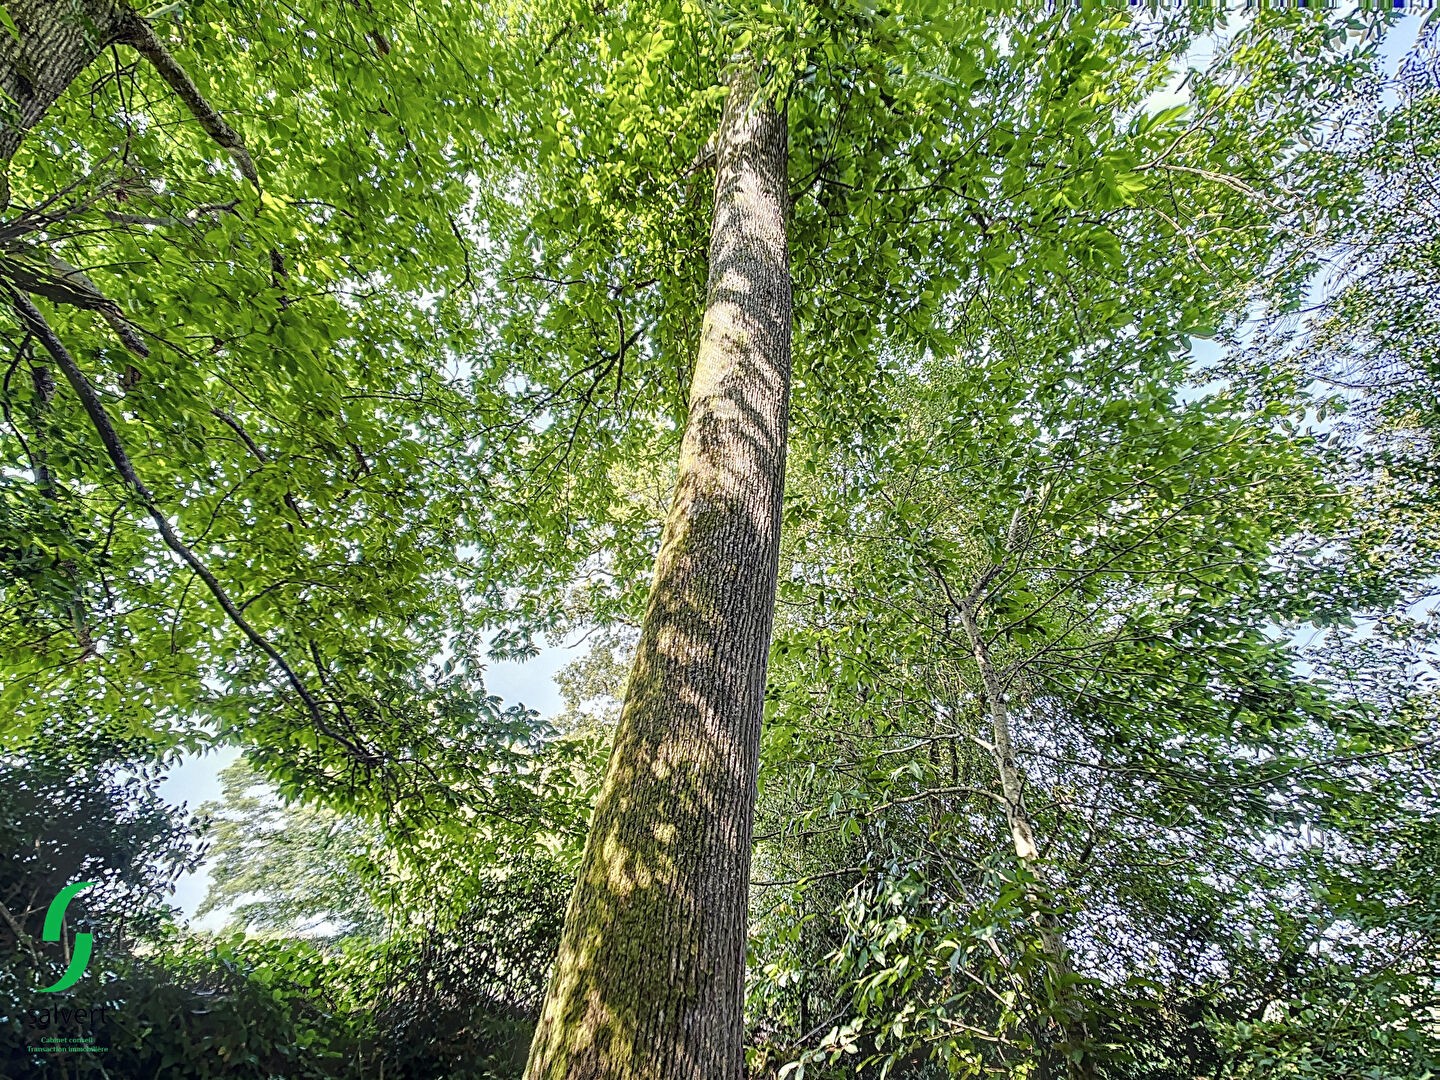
[57,40]
[1012,787]
[649,981]
[1022,829]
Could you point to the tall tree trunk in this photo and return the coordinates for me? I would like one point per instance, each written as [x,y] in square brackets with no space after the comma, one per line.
[649,981]
[57,40]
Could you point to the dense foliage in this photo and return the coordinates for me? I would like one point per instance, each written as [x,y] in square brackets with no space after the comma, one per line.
[1102,735]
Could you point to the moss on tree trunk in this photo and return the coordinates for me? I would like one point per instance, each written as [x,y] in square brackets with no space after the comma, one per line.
[649,981]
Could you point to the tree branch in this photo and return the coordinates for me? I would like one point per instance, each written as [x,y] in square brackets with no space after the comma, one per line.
[35,323]
[45,274]
[139,35]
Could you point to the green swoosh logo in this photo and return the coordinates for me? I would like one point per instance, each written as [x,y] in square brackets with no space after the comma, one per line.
[80,955]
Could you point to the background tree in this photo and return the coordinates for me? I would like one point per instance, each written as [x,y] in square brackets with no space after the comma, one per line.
[289,870]
[1136,627]
[238,450]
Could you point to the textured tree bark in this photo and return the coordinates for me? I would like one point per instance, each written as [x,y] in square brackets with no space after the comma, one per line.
[57,41]
[649,981]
